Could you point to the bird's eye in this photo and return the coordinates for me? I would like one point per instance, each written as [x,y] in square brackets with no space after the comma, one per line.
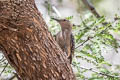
[64,19]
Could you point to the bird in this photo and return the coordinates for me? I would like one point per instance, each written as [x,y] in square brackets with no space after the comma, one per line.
[65,38]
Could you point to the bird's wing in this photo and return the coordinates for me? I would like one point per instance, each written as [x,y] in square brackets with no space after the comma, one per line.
[72,44]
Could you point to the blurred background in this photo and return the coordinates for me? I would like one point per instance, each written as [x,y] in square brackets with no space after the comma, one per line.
[76,8]
[95,60]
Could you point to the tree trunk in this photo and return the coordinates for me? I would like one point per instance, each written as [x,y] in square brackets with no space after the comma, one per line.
[28,46]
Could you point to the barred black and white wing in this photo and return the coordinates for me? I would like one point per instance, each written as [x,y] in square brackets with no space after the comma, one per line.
[72,47]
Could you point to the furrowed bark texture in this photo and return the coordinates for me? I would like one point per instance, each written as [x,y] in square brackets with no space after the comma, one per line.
[27,44]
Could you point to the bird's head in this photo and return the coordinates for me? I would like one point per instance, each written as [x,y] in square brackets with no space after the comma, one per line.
[65,24]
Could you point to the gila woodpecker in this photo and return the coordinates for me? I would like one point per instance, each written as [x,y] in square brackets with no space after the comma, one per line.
[65,38]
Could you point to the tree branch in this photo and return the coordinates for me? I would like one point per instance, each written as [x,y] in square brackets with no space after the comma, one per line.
[91,8]
[104,74]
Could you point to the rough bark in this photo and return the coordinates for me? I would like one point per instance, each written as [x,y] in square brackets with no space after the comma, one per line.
[28,46]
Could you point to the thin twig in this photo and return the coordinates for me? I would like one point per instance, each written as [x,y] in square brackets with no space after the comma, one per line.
[12,77]
[4,69]
[17,76]
[53,8]
[2,58]
[104,74]
[56,11]
[89,38]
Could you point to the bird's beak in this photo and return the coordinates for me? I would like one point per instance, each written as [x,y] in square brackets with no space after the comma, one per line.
[56,19]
